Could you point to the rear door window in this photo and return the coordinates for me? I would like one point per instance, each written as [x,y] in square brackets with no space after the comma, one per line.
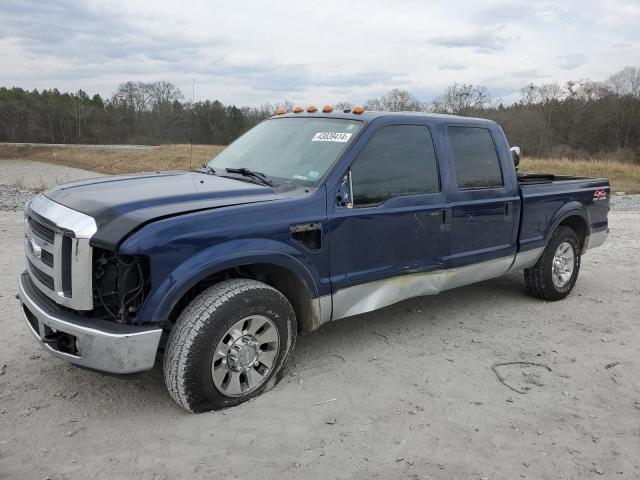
[475,158]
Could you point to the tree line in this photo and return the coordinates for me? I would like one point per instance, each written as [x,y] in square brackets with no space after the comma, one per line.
[580,118]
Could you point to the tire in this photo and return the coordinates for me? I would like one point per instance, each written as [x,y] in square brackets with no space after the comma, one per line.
[541,280]
[218,336]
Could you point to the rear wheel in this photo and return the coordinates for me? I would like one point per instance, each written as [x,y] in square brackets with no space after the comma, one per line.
[229,345]
[556,271]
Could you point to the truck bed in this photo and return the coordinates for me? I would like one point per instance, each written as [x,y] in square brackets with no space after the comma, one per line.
[546,197]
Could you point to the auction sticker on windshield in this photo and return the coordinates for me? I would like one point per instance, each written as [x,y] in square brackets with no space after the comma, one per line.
[331,137]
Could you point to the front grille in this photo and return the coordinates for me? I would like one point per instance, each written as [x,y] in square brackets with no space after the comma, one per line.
[58,252]
[45,233]
[42,277]
[47,258]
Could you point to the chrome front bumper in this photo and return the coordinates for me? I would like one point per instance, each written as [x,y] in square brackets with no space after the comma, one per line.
[97,344]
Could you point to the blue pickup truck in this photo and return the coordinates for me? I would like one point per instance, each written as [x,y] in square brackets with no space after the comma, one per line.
[309,217]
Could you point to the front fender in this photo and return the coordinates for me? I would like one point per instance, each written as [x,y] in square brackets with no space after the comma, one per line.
[220,257]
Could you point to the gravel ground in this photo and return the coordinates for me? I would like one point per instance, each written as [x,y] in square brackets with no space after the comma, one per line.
[408,391]
[20,179]
[27,174]
[625,203]
[12,198]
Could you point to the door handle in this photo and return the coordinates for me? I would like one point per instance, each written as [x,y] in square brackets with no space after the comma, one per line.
[445,219]
[507,211]
[446,216]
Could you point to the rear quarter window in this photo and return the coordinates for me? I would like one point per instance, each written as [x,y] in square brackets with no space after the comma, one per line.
[475,158]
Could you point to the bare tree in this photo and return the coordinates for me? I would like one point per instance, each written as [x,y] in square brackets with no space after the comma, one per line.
[546,98]
[82,112]
[395,100]
[590,91]
[545,93]
[626,85]
[373,104]
[462,99]
[288,105]
[162,97]
[626,82]
[398,100]
[343,106]
[135,97]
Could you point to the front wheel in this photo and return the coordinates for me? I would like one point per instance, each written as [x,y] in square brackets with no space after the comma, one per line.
[228,345]
[556,271]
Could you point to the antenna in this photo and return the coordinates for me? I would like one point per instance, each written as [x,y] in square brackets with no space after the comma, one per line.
[193,96]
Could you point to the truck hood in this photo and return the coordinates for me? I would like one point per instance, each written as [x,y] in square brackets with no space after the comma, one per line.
[121,204]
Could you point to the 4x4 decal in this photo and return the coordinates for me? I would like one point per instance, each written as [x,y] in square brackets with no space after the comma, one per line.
[600,194]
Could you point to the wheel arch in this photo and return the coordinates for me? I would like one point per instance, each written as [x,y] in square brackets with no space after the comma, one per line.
[279,270]
[574,216]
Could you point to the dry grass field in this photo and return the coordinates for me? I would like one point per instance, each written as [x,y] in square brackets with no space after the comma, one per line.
[623,176]
[113,161]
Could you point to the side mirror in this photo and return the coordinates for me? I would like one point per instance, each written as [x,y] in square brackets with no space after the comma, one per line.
[515,154]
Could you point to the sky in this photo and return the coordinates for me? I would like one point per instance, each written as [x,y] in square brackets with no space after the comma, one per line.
[252,52]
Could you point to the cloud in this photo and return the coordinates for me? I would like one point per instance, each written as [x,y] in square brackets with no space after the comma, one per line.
[483,42]
[73,30]
[553,15]
[88,42]
[452,66]
[529,74]
[514,11]
[570,62]
[264,52]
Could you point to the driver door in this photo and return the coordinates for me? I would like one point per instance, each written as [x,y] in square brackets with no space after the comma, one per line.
[396,225]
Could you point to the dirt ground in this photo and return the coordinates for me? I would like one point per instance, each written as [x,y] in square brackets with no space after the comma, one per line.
[407,392]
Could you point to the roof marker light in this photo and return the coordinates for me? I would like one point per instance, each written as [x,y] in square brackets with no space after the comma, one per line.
[298,109]
[327,109]
[312,109]
[357,110]
[281,111]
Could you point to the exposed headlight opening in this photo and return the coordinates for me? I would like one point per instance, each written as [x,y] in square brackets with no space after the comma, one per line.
[120,284]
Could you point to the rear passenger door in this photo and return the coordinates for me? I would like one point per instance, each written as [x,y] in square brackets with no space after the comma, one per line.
[393,227]
[484,227]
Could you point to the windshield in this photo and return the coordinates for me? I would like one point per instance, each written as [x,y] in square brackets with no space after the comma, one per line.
[300,149]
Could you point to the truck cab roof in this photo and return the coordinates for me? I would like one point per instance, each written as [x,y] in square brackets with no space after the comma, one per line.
[369,116]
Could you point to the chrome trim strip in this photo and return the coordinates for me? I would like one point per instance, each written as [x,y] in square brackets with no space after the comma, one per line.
[526,259]
[41,286]
[81,275]
[326,308]
[36,259]
[83,226]
[381,293]
[133,351]
[321,308]
[596,239]
[39,241]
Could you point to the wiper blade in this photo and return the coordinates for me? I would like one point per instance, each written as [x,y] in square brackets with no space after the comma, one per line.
[261,177]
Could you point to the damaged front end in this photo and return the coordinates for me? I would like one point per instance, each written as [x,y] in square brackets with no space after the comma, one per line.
[120,285]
